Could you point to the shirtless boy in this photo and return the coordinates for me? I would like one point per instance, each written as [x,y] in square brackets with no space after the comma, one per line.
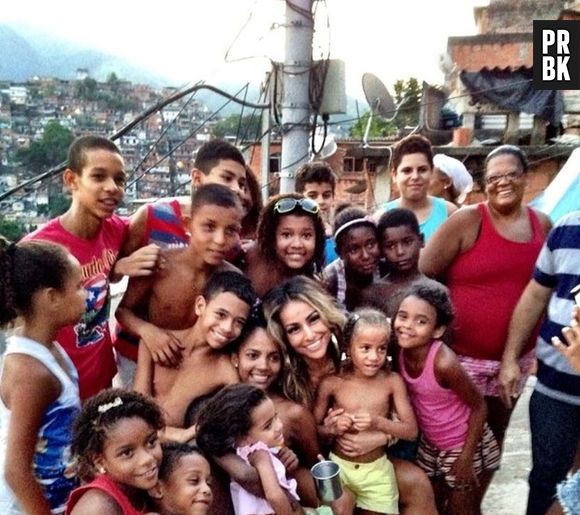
[154,305]
[221,310]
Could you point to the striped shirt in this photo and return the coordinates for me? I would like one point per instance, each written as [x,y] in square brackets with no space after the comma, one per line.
[558,268]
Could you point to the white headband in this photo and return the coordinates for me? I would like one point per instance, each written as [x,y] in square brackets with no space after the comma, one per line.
[366,220]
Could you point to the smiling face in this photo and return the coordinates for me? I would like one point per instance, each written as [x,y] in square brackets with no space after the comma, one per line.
[187,491]
[505,181]
[401,247]
[215,231]
[227,172]
[416,323]
[266,426]
[360,250]
[73,297]
[258,360]
[99,187]
[413,176]
[295,241]
[305,330]
[131,453]
[221,320]
[368,349]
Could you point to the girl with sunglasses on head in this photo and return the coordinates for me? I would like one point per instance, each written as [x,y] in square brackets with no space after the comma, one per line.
[290,242]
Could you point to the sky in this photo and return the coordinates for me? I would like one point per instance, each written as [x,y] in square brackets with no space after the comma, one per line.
[187,40]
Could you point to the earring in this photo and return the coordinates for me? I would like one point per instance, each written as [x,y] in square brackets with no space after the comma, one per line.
[101,470]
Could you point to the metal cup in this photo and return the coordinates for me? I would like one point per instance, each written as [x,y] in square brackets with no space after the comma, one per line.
[327,479]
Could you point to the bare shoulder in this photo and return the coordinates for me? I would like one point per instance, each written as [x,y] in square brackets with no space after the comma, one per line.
[97,502]
[545,221]
[226,266]
[451,207]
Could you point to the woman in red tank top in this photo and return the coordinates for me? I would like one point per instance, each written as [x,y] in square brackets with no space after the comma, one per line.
[486,254]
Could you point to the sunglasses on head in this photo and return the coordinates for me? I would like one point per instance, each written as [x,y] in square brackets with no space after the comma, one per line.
[286,205]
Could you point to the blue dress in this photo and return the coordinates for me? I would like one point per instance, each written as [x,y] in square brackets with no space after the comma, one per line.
[52,461]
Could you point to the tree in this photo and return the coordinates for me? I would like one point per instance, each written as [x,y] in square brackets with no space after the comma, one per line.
[86,89]
[380,128]
[12,231]
[58,204]
[409,90]
[250,127]
[49,151]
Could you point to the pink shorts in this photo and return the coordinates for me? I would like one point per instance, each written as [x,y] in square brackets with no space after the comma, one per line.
[484,372]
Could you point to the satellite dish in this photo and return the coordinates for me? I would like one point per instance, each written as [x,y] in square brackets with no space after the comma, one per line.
[380,100]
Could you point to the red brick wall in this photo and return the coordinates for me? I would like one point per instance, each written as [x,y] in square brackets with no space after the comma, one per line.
[474,57]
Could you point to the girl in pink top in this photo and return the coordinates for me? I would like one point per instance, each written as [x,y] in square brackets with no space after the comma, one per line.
[457,449]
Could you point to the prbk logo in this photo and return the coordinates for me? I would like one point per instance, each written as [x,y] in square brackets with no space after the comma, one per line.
[557,54]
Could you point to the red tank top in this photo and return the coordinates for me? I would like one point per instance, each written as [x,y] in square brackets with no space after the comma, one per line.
[107,485]
[486,283]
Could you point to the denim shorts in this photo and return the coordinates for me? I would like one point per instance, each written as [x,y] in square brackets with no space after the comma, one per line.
[569,494]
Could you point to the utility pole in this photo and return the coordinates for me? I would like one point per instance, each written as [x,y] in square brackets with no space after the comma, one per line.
[296,102]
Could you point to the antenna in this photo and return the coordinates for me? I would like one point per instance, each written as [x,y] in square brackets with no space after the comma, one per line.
[379,100]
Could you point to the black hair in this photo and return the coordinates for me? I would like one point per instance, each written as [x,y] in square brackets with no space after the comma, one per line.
[511,150]
[26,268]
[397,217]
[214,195]
[436,295]
[360,317]
[316,171]
[102,412]
[211,153]
[268,223]
[230,282]
[196,405]
[250,221]
[256,320]
[348,215]
[413,144]
[227,418]
[77,152]
[172,454]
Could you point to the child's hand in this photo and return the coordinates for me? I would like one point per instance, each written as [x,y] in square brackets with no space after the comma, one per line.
[362,421]
[259,456]
[465,478]
[288,459]
[142,262]
[164,347]
[342,424]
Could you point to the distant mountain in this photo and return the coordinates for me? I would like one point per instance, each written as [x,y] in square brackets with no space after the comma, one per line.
[26,52]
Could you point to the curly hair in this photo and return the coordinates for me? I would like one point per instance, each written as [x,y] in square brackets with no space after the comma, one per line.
[172,453]
[436,295]
[268,224]
[413,144]
[101,413]
[316,171]
[26,268]
[296,385]
[226,418]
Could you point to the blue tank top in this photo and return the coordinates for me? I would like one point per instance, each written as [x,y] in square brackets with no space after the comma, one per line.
[51,463]
[436,217]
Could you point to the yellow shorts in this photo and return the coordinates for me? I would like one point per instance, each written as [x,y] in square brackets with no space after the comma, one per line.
[374,484]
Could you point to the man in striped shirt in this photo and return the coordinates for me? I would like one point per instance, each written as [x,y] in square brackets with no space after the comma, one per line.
[555,403]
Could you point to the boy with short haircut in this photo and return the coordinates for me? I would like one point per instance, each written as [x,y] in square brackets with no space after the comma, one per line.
[222,310]
[400,243]
[91,231]
[316,180]
[166,301]
[167,223]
